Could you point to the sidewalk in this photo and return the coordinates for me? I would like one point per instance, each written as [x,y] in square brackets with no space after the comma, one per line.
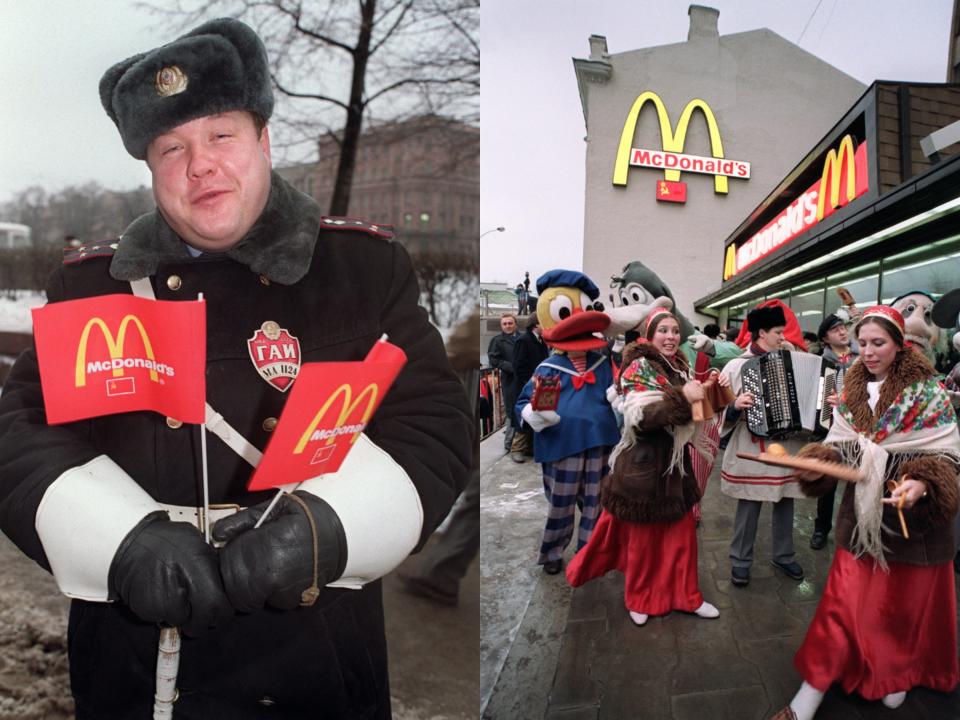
[570,655]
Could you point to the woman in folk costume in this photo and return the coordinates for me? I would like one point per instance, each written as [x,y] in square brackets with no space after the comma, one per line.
[887,620]
[646,529]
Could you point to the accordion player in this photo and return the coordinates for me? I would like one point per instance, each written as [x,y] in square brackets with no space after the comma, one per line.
[790,391]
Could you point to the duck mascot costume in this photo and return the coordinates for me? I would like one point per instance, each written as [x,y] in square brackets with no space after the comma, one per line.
[568,406]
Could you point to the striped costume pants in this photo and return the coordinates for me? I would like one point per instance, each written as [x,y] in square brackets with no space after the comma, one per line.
[567,483]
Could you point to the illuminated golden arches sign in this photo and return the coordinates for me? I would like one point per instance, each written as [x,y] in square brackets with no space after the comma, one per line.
[833,169]
[346,408]
[671,159]
[842,167]
[115,348]
[730,262]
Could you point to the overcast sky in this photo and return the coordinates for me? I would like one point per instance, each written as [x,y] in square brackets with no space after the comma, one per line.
[53,131]
[532,149]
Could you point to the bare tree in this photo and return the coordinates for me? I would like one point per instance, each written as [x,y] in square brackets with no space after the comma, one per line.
[336,63]
[448,283]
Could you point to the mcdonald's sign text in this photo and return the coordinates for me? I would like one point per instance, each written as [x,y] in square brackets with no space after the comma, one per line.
[671,159]
[843,179]
[662,159]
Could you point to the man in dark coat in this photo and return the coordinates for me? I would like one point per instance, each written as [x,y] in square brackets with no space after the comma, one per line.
[285,620]
[500,356]
[529,351]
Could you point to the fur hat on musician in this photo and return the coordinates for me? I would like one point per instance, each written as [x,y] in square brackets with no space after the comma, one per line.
[792,332]
[765,318]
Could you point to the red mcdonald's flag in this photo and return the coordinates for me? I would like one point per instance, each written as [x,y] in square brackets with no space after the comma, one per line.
[669,191]
[329,406]
[119,353]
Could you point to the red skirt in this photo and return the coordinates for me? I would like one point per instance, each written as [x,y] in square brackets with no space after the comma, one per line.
[658,561]
[878,633]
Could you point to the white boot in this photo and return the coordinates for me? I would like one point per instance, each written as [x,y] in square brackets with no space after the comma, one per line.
[806,701]
[706,610]
[894,700]
[638,618]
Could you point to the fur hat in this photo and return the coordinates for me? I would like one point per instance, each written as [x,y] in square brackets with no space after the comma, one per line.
[215,68]
[764,318]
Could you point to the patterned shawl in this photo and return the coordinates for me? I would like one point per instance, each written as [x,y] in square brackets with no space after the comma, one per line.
[642,384]
[919,422]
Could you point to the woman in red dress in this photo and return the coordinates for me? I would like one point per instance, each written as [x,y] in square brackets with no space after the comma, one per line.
[646,529]
[887,620]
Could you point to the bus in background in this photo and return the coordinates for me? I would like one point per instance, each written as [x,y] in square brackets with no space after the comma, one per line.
[14,235]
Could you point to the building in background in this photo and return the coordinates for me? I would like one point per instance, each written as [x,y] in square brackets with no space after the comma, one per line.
[420,175]
[684,140]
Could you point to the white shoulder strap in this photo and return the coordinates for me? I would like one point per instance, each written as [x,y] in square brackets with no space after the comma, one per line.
[234,440]
[143,288]
[214,420]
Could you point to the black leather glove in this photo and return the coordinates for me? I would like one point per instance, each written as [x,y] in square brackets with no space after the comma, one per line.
[274,564]
[164,572]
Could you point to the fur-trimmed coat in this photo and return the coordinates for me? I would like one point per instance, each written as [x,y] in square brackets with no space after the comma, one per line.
[930,520]
[639,489]
[337,291]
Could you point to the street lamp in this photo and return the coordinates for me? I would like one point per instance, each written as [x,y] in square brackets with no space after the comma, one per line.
[487,232]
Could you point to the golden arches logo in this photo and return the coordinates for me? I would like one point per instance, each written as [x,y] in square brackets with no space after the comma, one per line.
[370,392]
[832,169]
[730,262]
[114,346]
[671,141]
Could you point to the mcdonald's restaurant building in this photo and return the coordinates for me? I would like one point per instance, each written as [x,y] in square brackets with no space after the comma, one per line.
[684,140]
[865,209]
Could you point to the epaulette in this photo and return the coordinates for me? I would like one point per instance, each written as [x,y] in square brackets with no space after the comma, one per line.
[348,223]
[76,255]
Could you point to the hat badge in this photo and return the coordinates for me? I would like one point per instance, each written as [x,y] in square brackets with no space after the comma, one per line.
[170,81]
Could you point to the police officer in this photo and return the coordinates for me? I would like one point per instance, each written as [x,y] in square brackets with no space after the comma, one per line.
[108,504]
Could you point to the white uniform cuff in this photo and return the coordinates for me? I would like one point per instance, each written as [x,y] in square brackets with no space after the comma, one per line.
[379,509]
[83,517]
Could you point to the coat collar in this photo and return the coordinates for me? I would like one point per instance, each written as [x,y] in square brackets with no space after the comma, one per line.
[279,245]
[909,367]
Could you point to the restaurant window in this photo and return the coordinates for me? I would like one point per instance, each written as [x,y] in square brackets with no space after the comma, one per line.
[862,282]
[806,301]
[932,268]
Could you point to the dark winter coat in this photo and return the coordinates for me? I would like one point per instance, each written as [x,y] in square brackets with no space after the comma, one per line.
[639,489]
[528,352]
[930,521]
[336,290]
[500,355]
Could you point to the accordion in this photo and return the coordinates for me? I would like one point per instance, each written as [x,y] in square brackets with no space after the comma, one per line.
[790,392]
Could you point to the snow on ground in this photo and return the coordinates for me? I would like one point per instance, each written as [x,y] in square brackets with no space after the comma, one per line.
[15,306]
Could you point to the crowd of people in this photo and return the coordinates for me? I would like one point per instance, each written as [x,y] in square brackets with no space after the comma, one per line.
[631,467]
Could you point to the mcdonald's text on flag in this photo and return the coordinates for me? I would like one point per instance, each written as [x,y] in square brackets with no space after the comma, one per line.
[119,353]
[329,406]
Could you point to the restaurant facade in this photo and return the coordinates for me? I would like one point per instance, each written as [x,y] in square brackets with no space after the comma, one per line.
[865,209]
